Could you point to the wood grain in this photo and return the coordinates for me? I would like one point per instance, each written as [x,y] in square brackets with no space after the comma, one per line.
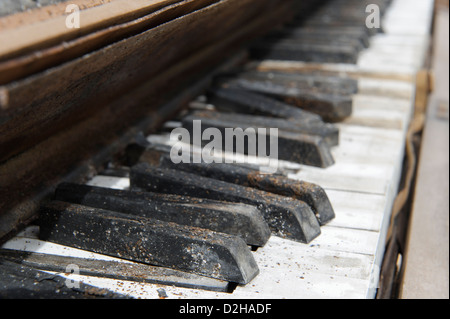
[42,59]
[29,37]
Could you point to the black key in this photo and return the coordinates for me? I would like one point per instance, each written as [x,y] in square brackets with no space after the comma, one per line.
[323,33]
[293,146]
[18,281]
[154,152]
[314,195]
[333,40]
[358,23]
[148,241]
[242,101]
[295,82]
[287,217]
[236,219]
[332,107]
[329,132]
[116,270]
[305,52]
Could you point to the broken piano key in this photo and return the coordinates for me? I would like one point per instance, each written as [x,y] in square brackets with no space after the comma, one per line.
[148,241]
[19,281]
[117,270]
[287,217]
[314,195]
[236,219]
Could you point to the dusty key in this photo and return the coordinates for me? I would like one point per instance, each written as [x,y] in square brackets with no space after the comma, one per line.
[306,52]
[327,131]
[148,241]
[287,217]
[18,281]
[243,101]
[322,32]
[236,219]
[297,82]
[329,40]
[135,272]
[293,146]
[314,195]
[332,107]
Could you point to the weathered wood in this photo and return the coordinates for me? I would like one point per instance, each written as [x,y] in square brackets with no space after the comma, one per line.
[42,34]
[287,217]
[17,7]
[236,219]
[114,71]
[149,241]
[54,55]
[102,100]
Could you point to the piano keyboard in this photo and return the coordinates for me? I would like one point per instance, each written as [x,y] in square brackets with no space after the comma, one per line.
[324,242]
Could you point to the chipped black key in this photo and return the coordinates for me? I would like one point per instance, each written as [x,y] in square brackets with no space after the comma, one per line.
[287,217]
[135,272]
[230,218]
[19,281]
[295,143]
[148,241]
[314,195]
[331,106]
[242,101]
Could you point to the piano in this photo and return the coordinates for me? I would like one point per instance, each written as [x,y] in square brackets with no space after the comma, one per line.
[92,198]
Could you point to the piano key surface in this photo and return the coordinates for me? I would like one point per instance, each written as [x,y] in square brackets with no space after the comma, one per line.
[344,261]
